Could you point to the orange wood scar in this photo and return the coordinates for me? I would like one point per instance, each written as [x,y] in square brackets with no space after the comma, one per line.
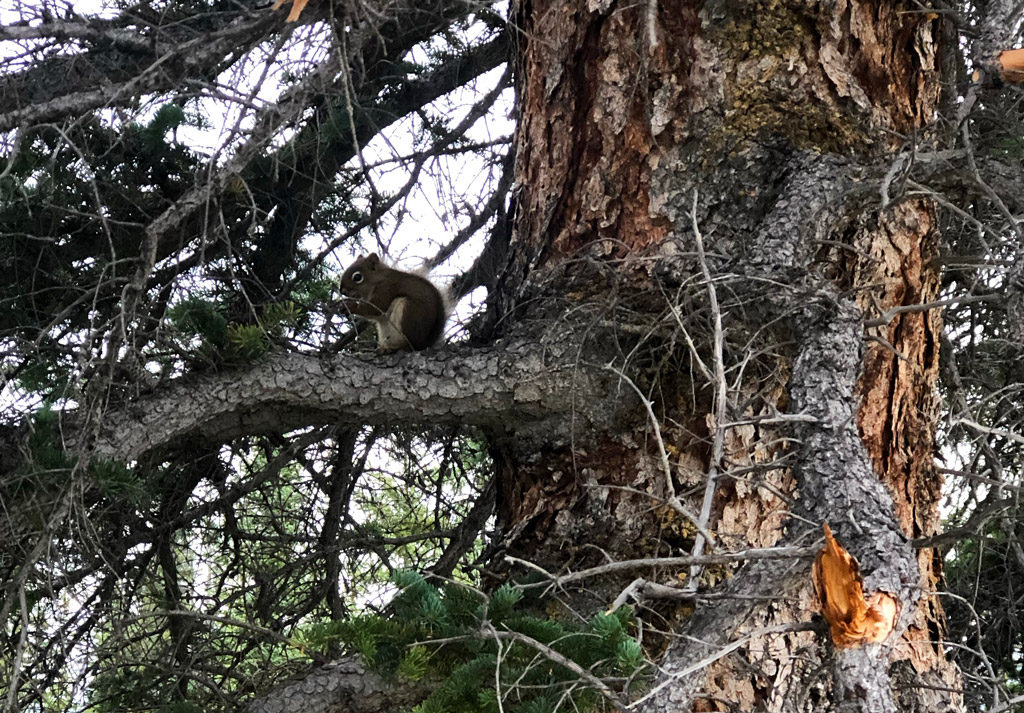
[852,619]
[1012,62]
[297,6]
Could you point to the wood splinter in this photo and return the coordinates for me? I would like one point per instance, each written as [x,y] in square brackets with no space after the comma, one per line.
[1008,65]
[297,6]
[852,619]
[1011,64]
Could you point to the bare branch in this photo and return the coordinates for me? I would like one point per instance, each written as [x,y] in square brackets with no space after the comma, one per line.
[768,553]
[516,383]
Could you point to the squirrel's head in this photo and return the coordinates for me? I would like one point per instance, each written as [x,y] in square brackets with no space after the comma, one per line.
[360,275]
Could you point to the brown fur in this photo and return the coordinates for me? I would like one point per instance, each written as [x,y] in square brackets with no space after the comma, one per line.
[407,309]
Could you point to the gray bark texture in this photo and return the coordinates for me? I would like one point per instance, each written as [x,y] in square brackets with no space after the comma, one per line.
[538,391]
[340,687]
[835,476]
[680,166]
[765,128]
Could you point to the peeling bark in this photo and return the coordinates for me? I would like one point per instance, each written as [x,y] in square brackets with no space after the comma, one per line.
[777,117]
[899,405]
[765,119]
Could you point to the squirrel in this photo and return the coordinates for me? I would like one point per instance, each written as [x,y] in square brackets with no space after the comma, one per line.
[408,310]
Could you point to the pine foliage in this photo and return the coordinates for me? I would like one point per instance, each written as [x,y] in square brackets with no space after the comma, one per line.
[459,637]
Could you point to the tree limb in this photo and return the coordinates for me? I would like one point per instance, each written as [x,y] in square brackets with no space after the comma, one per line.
[522,387]
[343,686]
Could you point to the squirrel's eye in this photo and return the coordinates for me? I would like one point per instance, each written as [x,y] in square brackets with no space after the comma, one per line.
[357,277]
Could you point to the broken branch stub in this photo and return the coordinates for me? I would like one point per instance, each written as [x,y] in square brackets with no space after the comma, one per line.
[853,619]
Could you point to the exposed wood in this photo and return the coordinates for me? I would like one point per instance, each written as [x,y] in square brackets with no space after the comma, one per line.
[771,113]
[296,9]
[761,126]
[1012,65]
[852,619]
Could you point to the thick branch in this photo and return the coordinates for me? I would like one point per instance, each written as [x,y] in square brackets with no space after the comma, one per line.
[522,387]
[837,480]
[341,687]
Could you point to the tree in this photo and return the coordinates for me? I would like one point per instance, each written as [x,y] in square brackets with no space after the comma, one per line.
[716,255]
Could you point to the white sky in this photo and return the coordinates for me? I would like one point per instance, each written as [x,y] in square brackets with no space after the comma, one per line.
[449,187]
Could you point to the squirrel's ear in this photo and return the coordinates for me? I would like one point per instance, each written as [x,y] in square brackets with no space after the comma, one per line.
[372,259]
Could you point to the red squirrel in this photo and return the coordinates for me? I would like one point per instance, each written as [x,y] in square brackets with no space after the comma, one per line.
[408,310]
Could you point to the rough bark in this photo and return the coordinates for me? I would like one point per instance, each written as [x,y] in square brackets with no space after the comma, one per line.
[519,388]
[343,686]
[771,114]
[764,119]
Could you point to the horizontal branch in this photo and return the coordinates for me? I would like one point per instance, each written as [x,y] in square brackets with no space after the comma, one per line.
[516,387]
[61,31]
[764,553]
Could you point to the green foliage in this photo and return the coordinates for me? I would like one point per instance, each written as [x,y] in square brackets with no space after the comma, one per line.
[413,665]
[119,483]
[51,197]
[278,315]
[248,341]
[467,687]
[167,118]
[45,451]
[446,633]
[543,703]
[47,470]
[503,600]
[49,463]
[201,318]
[319,289]
[247,530]
[629,656]
[182,707]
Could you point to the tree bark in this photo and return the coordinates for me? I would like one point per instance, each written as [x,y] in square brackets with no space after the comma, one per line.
[537,391]
[753,124]
[702,341]
[343,686]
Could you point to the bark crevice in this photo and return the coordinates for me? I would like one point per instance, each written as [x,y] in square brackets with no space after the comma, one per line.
[533,390]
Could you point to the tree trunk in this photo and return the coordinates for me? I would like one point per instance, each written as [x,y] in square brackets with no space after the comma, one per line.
[755,143]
